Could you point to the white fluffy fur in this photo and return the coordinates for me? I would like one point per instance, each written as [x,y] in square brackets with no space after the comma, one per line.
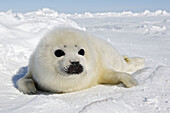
[101,62]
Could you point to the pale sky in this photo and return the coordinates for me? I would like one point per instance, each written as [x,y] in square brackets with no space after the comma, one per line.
[81,6]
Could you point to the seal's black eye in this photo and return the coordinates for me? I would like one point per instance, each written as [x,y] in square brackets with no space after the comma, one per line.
[81,52]
[59,53]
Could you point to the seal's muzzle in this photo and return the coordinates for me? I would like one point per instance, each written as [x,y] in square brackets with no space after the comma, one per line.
[74,68]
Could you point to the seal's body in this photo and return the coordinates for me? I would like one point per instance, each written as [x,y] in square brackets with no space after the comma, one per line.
[69,60]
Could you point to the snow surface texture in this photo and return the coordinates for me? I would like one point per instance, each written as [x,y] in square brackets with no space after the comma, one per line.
[145,34]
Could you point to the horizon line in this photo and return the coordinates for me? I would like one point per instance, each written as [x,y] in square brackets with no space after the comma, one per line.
[92,12]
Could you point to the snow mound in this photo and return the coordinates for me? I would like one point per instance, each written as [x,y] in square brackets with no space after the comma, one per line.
[155,29]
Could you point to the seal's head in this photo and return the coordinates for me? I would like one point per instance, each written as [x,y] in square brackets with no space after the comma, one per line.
[69,61]
[67,51]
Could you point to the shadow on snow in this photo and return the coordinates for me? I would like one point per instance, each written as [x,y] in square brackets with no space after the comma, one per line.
[21,73]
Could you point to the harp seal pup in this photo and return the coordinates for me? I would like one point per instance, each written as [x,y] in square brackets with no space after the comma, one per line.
[68,60]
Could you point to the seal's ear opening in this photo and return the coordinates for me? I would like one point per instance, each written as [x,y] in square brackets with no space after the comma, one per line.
[81,52]
[59,53]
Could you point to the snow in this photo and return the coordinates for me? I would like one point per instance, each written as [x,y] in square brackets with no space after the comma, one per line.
[144,34]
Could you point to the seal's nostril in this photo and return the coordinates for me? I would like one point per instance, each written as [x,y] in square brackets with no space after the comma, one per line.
[75,63]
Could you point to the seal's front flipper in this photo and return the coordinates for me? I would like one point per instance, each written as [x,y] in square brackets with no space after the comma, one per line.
[113,77]
[127,79]
[26,84]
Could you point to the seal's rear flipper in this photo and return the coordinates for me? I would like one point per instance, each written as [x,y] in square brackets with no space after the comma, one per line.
[134,63]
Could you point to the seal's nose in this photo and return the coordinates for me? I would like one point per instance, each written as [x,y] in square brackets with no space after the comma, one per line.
[75,68]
